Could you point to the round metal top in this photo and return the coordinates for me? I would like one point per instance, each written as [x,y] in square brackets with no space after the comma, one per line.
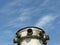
[29,27]
[31,32]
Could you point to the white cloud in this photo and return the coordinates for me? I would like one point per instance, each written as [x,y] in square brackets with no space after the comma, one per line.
[17,22]
[23,18]
[8,7]
[8,32]
[45,20]
[45,2]
[58,44]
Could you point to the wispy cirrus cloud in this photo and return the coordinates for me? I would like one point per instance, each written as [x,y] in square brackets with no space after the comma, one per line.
[25,9]
[16,6]
[17,22]
[58,44]
[45,20]
[45,3]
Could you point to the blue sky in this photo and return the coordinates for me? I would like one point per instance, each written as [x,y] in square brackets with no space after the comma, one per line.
[15,14]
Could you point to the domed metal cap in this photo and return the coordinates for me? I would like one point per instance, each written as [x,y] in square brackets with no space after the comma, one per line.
[32,33]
